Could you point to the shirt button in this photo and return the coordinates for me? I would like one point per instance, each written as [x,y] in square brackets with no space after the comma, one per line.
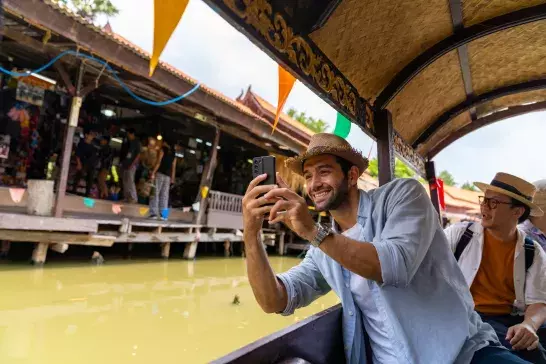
[351,313]
[347,285]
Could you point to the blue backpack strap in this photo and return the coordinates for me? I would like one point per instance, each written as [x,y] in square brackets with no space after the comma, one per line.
[463,241]
[529,252]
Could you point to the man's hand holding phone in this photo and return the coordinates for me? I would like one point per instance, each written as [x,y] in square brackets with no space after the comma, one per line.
[280,203]
[256,205]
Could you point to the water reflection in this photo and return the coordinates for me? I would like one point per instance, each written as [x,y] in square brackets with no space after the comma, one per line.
[165,312]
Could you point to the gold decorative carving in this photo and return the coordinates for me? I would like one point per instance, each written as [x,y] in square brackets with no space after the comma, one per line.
[273,28]
[406,152]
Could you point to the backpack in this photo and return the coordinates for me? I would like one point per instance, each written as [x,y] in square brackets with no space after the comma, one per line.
[467,236]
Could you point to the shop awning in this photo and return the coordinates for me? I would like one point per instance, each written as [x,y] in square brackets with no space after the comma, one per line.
[35,31]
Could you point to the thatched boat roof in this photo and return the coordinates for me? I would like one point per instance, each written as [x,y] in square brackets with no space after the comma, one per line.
[443,68]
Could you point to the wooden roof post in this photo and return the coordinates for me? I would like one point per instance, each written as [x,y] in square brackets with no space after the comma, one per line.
[431,178]
[206,179]
[385,150]
[71,125]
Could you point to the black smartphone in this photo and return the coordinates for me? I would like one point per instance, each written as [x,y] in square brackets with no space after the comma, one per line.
[263,165]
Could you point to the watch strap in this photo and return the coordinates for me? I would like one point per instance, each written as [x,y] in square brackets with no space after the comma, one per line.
[322,232]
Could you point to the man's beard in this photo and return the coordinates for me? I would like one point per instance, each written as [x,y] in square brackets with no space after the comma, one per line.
[339,197]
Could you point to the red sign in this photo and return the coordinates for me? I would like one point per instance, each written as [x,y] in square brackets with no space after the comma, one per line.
[441,193]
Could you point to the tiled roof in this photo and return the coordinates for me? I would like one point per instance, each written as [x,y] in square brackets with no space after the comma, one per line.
[59,6]
[454,196]
[462,198]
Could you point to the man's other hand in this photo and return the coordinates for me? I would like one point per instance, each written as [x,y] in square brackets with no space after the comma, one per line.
[522,336]
[292,210]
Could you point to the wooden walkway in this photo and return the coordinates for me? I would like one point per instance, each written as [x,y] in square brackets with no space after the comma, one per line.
[103,230]
[100,226]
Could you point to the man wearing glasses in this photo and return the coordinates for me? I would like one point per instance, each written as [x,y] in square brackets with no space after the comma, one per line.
[504,268]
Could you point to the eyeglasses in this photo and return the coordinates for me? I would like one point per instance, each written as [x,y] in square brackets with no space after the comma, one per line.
[492,203]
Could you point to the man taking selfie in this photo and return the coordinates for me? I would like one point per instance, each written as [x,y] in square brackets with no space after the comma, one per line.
[386,258]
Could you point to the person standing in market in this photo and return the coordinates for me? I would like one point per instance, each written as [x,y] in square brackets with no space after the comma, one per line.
[535,226]
[162,176]
[385,256]
[504,268]
[86,162]
[106,157]
[129,165]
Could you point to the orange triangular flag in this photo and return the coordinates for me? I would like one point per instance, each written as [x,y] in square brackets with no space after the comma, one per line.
[286,82]
[167,15]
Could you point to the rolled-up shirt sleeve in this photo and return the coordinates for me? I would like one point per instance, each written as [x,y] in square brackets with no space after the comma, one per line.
[304,283]
[535,284]
[410,226]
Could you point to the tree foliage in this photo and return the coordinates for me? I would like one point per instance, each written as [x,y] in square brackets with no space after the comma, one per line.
[401,170]
[448,178]
[89,9]
[317,125]
[469,186]
[373,168]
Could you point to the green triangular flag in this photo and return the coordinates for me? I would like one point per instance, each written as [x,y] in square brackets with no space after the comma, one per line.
[343,126]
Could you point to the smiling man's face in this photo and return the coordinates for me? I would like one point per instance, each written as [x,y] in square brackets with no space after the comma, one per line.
[327,185]
[498,212]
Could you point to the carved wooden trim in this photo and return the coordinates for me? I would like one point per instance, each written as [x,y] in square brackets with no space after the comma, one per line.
[408,154]
[270,30]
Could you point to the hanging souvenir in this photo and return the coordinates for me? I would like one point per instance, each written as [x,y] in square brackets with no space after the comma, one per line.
[34,139]
[31,89]
[4,146]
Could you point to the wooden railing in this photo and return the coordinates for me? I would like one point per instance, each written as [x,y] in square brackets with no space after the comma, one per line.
[227,202]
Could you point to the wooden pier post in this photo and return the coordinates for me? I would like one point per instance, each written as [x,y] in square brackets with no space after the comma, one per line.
[39,254]
[206,180]
[281,242]
[129,249]
[165,250]
[4,249]
[71,125]
[227,248]
[190,250]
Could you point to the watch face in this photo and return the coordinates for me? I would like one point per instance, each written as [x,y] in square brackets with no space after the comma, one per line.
[322,233]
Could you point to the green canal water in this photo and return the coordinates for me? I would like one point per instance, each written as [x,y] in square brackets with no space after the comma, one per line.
[134,312]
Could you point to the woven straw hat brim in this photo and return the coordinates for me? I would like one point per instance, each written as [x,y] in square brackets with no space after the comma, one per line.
[540,195]
[349,154]
[535,210]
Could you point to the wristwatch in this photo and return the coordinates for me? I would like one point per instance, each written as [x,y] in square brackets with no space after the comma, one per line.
[322,232]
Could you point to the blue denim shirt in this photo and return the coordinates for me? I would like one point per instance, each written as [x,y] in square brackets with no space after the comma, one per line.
[429,309]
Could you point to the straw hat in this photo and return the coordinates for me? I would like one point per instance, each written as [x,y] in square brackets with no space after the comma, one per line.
[540,195]
[514,187]
[325,143]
